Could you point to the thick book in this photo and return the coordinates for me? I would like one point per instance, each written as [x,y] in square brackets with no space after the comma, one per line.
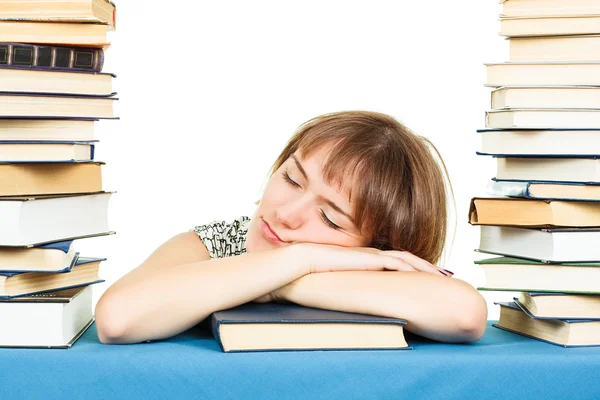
[544,190]
[90,11]
[533,213]
[582,169]
[66,34]
[555,48]
[19,105]
[73,129]
[51,257]
[546,142]
[541,97]
[59,58]
[563,332]
[13,151]
[544,8]
[31,221]
[543,74]
[560,305]
[521,275]
[285,327]
[20,80]
[550,26]
[83,273]
[35,179]
[545,245]
[46,320]
[543,118]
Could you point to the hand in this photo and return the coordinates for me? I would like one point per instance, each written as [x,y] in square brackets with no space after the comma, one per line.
[331,258]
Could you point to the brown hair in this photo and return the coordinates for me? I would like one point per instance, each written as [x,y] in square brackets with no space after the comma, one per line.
[398,193]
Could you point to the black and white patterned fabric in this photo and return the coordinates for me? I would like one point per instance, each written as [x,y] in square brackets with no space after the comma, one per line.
[224,239]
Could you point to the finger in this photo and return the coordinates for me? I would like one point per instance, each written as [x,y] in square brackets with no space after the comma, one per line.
[417,262]
[398,264]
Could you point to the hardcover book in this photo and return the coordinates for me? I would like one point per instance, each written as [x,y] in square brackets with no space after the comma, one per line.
[543,118]
[560,305]
[546,245]
[537,142]
[520,275]
[541,97]
[66,34]
[46,320]
[583,169]
[19,55]
[21,80]
[36,179]
[555,48]
[543,74]
[550,26]
[544,8]
[73,129]
[31,221]
[13,151]
[51,257]
[285,327]
[544,190]
[90,11]
[42,105]
[563,332]
[534,213]
[83,273]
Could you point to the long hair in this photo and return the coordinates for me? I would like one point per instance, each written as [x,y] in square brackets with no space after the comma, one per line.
[399,195]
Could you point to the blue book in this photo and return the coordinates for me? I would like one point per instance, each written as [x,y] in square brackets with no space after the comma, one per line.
[51,257]
[545,190]
[291,327]
[84,272]
[562,332]
[45,151]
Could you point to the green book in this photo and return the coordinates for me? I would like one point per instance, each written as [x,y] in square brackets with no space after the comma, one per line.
[520,275]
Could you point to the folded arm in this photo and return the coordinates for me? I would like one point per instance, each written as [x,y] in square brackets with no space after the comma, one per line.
[436,307]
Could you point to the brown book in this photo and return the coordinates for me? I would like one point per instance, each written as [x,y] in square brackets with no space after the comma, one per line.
[76,34]
[50,178]
[534,213]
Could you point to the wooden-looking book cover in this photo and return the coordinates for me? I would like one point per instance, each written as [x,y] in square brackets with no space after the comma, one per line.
[290,327]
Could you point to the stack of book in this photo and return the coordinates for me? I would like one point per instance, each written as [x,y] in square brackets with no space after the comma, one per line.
[52,92]
[543,212]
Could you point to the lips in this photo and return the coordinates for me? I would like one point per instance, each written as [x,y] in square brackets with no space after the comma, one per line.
[269,233]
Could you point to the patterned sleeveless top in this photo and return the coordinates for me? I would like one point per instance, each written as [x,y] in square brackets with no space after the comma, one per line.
[224,239]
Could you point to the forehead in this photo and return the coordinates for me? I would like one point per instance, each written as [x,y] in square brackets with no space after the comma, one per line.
[318,165]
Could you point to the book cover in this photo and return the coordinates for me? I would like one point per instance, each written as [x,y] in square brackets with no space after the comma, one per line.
[59,58]
[267,316]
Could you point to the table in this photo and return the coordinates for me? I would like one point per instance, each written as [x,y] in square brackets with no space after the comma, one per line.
[501,365]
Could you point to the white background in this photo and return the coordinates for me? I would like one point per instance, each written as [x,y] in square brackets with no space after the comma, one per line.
[211,91]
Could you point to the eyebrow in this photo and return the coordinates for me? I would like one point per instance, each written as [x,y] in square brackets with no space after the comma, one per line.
[331,203]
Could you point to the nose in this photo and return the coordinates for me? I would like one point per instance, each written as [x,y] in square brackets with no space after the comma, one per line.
[294,212]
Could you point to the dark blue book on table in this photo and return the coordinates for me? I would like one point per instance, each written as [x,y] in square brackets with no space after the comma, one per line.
[291,327]
[562,332]
[27,151]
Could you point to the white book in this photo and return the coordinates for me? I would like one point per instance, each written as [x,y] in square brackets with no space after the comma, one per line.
[549,26]
[542,118]
[562,142]
[35,151]
[555,48]
[51,257]
[538,8]
[552,169]
[546,245]
[47,129]
[543,74]
[55,319]
[28,221]
[540,97]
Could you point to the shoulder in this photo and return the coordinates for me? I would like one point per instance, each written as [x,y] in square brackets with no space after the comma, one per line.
[222,238]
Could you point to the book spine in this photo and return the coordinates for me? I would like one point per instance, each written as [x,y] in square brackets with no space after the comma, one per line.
[56,58]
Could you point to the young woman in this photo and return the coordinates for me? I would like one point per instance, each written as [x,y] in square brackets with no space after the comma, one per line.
[353,219]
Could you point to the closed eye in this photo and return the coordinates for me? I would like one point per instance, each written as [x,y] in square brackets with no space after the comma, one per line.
[289,180]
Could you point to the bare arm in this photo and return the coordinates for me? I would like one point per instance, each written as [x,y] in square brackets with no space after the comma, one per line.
[436,307]
[161,298]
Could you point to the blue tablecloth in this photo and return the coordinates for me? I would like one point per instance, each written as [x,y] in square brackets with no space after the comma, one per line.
[502,365]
